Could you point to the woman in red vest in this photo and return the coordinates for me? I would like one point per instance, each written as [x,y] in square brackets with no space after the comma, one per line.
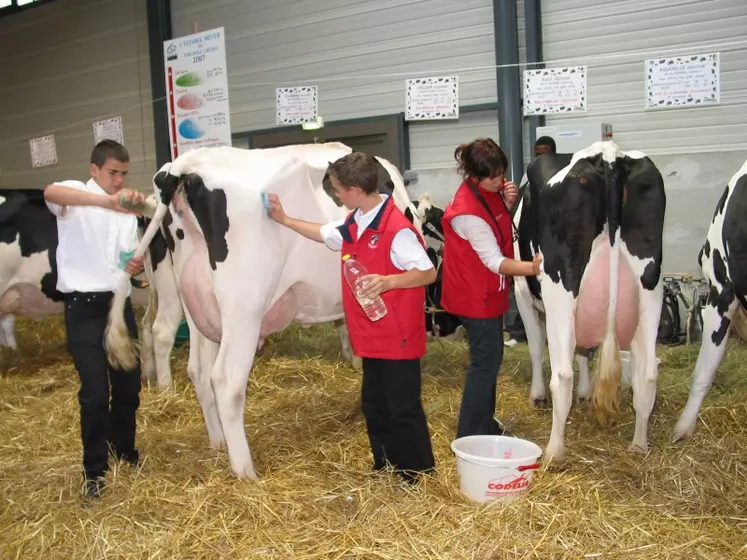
[478,258]
[379,236]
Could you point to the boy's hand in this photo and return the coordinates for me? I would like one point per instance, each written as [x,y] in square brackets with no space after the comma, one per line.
[374,285]
[276,211]
[135,266]
[112,200]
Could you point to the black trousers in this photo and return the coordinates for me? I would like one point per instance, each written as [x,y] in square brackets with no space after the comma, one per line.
[101,423]
[395,419]
[485,337]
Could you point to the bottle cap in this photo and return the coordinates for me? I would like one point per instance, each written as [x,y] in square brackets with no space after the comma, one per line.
[345,257]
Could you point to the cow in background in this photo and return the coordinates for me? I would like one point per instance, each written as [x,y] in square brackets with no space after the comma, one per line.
[239,274]
[723,260]
[597,220]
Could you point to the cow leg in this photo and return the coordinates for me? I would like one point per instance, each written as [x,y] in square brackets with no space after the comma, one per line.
[164,333]
[560,308]
[645,368]
[535,332]
[146,337]
[7,331]
[716,327]
[347,349]
[202,353]
[229,378]
[584,387]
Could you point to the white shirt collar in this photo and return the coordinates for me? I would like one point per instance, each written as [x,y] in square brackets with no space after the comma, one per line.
[95,186]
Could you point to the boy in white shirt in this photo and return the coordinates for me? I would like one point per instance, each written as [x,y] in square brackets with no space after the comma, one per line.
[93,230]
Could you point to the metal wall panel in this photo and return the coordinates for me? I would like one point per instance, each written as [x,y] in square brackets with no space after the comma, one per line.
[613,39]
[65,65]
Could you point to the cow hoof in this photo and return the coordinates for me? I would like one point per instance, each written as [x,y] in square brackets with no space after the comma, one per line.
[681,435]
[635,448]
[556,465]
[539,403]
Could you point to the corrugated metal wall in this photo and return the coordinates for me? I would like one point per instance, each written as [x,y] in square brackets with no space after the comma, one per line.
[64,65]
[613,38]
[339,45]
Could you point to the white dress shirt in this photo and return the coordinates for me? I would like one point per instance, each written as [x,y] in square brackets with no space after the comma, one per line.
[406,253]
[90,240]
[482,239]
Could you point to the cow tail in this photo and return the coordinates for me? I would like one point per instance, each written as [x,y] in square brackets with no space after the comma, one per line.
[121,350]
[606,394]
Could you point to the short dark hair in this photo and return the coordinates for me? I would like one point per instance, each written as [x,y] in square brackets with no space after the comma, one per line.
[481,158]
[109,149]
[546,141]
[356,169]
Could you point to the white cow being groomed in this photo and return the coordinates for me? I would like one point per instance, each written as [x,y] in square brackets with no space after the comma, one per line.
[723,260]
[597,219]
[240,275]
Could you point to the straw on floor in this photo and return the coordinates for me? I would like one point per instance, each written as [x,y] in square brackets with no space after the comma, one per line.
[317,498]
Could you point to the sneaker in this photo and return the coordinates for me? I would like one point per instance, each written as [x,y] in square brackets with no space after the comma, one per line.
[93,487]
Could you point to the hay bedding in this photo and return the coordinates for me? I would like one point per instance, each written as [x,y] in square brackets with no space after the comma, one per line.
[317,498]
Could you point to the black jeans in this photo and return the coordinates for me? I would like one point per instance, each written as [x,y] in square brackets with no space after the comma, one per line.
[101,424]
[485,337]
[395,419]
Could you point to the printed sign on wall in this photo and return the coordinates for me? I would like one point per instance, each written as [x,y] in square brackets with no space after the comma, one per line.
[108,129]
[43,151]
[555,90]
[197,91]
[682,81]
[296,105]
[432,98]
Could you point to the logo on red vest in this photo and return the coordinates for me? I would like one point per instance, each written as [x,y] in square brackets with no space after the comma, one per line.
[374,241]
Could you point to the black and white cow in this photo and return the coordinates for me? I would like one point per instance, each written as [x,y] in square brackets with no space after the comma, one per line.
[597,219]
[28,264]
[240,275]
[723,260]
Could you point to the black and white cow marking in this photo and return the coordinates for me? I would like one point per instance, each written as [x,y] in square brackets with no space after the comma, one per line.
[597,220]
[28,264]
[723,260]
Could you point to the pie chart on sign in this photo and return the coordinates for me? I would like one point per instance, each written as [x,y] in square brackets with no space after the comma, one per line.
[190,129]
[189,102]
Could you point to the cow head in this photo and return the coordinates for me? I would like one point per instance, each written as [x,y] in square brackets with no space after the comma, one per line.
[429,215]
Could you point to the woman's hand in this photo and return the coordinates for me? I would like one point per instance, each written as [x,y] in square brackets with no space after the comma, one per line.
[536,264]
[511,192]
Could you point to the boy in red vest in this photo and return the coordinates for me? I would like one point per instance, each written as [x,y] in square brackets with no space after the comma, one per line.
[478,257]
[380,237]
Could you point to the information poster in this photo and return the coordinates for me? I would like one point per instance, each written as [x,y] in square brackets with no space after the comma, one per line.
[108,129]
[555,90]
[432,98]
[43,151]
[682,81]
[197,91]
[296,105]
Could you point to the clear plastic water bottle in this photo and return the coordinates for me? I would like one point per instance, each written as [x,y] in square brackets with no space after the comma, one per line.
[374,308]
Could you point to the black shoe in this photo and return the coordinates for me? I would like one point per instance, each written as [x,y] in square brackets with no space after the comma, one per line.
[130,457]
[93,487]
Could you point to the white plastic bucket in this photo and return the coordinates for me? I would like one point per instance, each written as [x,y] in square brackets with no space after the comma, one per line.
[495,467]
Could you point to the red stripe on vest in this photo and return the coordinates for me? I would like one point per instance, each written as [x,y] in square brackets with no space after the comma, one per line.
[400,334]
[469,287]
